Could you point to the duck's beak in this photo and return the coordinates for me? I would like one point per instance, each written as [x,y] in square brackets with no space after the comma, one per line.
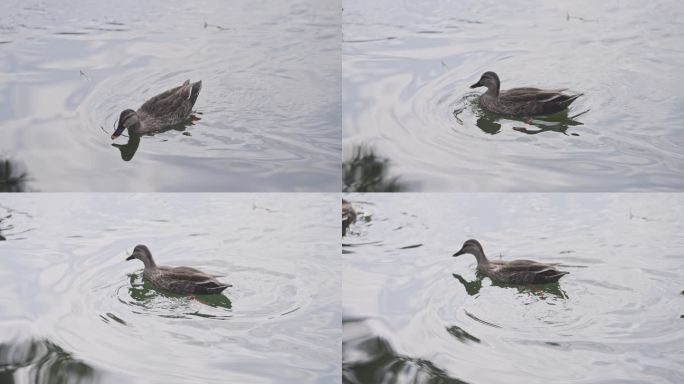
[478,84]
[131,257]
[459,253]
[119,131]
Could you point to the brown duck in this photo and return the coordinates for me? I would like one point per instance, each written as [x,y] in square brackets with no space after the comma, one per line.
[181,280]
[166,109]
[521,102]
[511,272]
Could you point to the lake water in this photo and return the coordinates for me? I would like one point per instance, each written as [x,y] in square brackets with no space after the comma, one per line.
[73,310]
[411,121]
[269,110]
[414,314]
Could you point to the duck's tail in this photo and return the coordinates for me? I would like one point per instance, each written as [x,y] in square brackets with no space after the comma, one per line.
[557,103]
[566,103]
[194,92]
[218,289]
[550,276]
[211,286]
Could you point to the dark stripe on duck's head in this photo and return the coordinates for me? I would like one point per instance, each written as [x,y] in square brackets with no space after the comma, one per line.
[127,119]
[470,246]
[488,79]
[142,253]
[490,75]
[143,249]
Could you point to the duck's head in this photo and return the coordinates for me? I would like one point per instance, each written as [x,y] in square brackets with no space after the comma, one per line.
[489,80]
[472,247]
[127,120]
[142,253]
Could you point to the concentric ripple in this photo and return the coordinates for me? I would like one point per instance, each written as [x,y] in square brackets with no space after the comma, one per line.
[415,313]
[68,287]
[407,96]
[266,118]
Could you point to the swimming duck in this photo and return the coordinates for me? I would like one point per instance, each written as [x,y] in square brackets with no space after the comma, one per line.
[521,102]
[511,272]
[348,216]
[167,108]
[181,280]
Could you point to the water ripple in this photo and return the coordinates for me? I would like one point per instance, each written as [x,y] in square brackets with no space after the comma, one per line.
[408,306]
[401,95]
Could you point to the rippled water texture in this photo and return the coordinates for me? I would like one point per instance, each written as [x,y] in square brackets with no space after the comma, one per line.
[406,97]
[70,304]
[269,109]
[414,314]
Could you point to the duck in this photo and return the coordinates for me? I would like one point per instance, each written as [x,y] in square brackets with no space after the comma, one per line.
[348,216]
[182,280]
[521,102]
[166,109]
[511,272]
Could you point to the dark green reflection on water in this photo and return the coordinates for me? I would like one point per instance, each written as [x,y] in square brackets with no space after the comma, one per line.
[142,290]
[560,122]
[41,361]
[490,124]
[128,150]
[538,290]
[377,362]
[13,176]
[364,171]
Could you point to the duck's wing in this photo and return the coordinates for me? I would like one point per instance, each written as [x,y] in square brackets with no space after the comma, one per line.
[173,101]
[200,287]
[519,265]
[184,274]
[162,97]
[529,94]
[189,270]
[211,289]
[546,275]
[534,102]
[526,272]
[184,270]
[557,103]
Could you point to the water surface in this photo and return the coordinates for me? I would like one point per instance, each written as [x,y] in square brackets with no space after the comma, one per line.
[414,314]
[267,118]
[406,98]
[71,307]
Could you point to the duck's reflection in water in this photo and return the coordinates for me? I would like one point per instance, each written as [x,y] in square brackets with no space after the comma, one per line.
[541,291]
[146,295]
[129,149]
[491,123]
[560,122]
